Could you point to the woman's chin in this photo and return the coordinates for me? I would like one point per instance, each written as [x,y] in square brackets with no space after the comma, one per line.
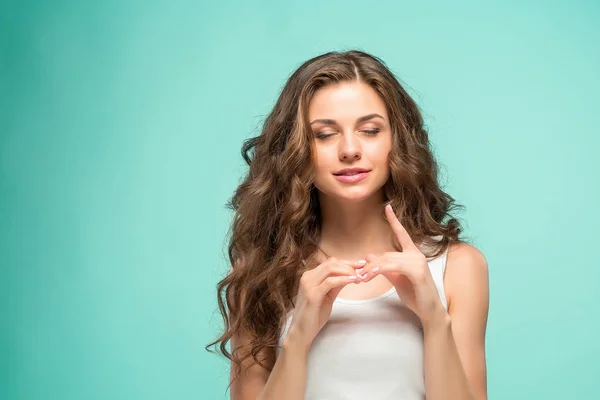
[351,194]
[357,195]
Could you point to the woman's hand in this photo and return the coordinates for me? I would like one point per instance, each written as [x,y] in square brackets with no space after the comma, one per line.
[409,272]
[318,289]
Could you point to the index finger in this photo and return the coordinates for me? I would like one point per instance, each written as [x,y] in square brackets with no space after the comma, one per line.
[399,230]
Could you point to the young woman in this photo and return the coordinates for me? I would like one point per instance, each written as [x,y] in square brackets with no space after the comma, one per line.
[349,279]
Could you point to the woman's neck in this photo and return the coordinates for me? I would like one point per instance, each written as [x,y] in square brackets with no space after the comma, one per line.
[353,230]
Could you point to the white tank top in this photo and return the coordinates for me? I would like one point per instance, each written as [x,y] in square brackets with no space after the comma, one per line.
[369,349]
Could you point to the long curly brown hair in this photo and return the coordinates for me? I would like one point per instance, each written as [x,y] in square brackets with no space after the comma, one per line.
[276,225]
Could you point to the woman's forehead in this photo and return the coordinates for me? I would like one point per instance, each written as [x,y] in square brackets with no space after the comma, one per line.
[346,102]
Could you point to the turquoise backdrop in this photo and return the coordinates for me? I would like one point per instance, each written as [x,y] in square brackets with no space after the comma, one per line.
[121,124]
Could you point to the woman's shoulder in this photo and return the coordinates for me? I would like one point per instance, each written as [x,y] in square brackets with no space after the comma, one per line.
[466,273]
[466,254]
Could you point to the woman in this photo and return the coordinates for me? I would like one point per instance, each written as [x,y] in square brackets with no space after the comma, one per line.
[349,278]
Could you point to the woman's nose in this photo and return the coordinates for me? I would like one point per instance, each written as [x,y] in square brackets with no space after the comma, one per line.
[349,148]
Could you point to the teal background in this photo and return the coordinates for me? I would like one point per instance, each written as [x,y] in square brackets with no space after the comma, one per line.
[121,124]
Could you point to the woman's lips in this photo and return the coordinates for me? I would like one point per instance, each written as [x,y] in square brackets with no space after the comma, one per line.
[353,177]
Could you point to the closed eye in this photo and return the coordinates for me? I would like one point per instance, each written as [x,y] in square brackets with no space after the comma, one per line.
[370,132]
[324,135]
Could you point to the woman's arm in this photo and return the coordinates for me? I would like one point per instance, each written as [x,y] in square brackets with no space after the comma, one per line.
[287,379]
[455,366]
[249,381]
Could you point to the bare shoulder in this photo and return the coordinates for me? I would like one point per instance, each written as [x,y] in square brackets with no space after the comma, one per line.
[466,286]
[465,252]
[466,273]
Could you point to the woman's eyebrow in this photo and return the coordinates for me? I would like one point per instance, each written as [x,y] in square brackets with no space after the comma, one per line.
[361,119]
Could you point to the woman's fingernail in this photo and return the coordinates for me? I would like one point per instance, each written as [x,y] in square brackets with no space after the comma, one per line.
[362,262]
[359,271]
[375,269]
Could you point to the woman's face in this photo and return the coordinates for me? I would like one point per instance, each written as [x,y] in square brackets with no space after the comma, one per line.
[350,129]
